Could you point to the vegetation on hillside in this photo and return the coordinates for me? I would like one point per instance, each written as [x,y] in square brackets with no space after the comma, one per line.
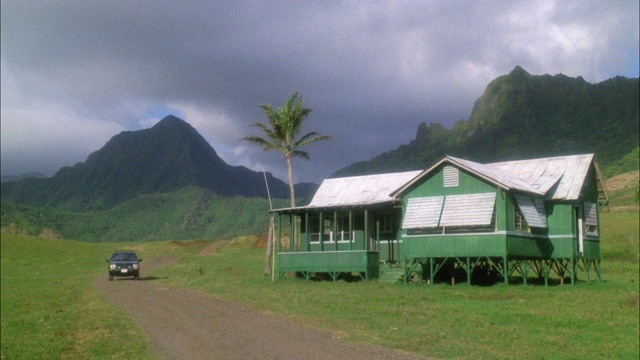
[191,213]
[165,158]
[167,182]
[522,116]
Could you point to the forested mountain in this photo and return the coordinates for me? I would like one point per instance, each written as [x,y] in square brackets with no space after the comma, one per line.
[165,158]
[523,116]
[167,182]
[7,178]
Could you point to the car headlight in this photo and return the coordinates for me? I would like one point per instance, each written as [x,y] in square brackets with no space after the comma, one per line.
[112,266]
[135,266]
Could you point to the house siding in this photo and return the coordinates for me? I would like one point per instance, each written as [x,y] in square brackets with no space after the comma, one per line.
[486,243]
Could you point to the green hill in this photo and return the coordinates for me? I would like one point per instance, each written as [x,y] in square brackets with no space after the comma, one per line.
[167,157]
[525,116]
[190,213]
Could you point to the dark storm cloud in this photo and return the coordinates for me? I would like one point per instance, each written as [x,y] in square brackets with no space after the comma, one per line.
[75,73]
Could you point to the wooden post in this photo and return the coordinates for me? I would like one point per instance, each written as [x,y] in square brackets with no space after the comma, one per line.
[573,267]
[366,229]
[307,236]
[279,233]
[505,268]
[292,239]
[431,271]
[377,234]
[335,229]
[351,237]
[321,232]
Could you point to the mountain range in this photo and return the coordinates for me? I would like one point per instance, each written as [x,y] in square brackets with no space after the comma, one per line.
[167,182]
[164,158]
[521,116]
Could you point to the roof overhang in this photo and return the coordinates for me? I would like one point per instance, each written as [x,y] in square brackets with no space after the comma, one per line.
[603,198]
[339,208]
[459,163]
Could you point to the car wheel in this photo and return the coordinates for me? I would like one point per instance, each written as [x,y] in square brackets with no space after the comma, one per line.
[110,277]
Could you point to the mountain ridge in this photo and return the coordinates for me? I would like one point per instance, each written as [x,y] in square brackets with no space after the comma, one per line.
[520,115]
[164,158]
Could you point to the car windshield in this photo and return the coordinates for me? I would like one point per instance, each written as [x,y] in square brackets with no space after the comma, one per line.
[124,257]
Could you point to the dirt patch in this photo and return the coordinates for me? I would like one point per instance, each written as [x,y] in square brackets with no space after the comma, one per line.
[213,248]
[262,241]
[623,181]
[199,243]
[49,233]
[14,229]
[184,324]
[157,263]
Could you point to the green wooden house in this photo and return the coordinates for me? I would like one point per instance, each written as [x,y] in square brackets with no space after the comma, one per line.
[455,220]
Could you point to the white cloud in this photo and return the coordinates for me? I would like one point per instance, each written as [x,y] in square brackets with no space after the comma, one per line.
[46,137]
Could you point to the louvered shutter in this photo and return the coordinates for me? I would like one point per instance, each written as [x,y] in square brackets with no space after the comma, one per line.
[423,212]
[533,211]
[468,209]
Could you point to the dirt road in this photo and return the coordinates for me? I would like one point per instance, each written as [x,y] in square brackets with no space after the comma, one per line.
[185,324]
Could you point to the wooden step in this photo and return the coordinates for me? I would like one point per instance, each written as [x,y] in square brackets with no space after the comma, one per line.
[391,274]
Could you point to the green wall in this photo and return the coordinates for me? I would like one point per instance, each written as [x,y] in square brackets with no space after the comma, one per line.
[559,240]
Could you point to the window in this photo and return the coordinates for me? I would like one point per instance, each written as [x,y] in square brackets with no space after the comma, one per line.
[327,232]
[468,210]
[591,218]
[314,229]
[453,213]
[330,232]
[423,212]
[342,228]
[386,223]
[520,222]
[532,210]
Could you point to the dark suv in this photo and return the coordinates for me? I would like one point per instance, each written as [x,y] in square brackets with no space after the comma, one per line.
[124,263]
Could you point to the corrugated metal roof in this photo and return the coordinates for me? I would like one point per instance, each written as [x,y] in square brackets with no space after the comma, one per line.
[568,172]
[359,190]
[495,174]
[557,178]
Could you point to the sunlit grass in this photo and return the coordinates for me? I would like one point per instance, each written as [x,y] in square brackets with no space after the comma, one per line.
[589,320]
[51,309]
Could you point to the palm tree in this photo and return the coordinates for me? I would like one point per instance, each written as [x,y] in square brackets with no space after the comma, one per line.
[282,135]
[282,131]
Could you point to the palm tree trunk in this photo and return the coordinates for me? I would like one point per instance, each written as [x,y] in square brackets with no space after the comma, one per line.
[292,191]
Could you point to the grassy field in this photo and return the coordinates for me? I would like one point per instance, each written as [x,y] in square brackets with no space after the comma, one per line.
[50,308]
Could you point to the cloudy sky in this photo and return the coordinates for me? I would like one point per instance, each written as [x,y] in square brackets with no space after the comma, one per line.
[76,73]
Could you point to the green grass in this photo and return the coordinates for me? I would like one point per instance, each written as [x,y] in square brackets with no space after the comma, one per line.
[590,320]
[50,308]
